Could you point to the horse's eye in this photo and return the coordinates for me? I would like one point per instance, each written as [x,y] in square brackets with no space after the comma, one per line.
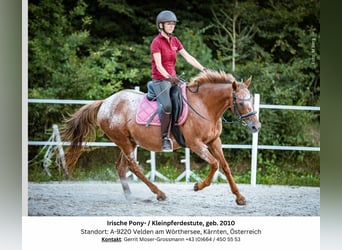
[241,104]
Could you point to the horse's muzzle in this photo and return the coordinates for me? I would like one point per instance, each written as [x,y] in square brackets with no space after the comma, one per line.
[254,126]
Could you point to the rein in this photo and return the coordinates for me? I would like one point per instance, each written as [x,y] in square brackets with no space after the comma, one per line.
[241,118]
[193,109]
[187,103]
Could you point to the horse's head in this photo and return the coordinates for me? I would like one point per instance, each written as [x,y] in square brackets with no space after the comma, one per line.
[243,105]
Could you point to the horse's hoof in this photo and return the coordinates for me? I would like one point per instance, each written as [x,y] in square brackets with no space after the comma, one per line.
[241,201]
[196,188]
[161,197]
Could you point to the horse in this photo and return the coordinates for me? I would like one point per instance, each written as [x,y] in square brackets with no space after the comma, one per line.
[209,95]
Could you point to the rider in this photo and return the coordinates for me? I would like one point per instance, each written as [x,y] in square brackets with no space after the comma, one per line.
[164,49]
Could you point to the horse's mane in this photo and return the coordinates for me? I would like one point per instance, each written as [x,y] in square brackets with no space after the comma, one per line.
[211,76]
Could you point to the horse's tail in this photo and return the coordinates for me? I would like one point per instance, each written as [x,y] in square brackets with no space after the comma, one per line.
[80,128]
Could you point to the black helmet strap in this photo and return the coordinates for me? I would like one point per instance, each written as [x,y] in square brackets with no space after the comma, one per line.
[168,34]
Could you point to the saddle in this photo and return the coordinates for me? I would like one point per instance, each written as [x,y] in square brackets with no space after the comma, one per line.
[148,112]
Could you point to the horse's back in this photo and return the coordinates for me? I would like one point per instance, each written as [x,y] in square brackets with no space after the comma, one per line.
[119,106]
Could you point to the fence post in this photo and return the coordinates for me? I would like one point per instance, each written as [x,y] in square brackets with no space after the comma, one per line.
[187,172]
[60,149]
[255,143]
[153,173]
[152,161]
[153,165]
[55,137]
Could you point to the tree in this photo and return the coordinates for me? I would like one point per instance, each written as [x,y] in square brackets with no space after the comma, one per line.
[64,65]
[233,36]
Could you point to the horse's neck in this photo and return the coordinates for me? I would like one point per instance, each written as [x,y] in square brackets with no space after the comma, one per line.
[213,99]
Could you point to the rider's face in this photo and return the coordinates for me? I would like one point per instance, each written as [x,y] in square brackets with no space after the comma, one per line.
[169,26]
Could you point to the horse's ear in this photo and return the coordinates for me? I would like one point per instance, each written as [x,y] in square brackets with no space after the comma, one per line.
[248,81]
[234,85]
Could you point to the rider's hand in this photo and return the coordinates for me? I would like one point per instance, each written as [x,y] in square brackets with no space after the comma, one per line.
[173,79]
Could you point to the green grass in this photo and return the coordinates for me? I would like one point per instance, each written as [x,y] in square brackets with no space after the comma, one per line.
[281,178]
[274,175]
[102,173]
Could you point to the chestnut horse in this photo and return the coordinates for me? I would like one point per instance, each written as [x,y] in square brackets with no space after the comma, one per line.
[209,95]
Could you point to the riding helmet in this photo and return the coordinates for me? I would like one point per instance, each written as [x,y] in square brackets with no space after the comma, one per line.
[165,16]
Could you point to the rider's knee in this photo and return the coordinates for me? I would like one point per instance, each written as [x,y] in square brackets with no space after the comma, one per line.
[151,95]
[167,108]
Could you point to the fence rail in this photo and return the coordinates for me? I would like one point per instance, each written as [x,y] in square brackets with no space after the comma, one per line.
[188,173]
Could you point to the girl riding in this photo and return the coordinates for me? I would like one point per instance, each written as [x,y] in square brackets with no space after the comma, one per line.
[164,49]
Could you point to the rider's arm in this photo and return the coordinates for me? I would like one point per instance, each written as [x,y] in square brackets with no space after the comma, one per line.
[191,60]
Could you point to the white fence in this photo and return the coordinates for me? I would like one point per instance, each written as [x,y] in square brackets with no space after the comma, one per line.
[187,174]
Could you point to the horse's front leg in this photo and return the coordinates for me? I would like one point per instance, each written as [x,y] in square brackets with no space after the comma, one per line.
[216,150]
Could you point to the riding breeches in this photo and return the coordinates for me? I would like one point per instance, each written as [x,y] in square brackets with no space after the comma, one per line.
[161,89]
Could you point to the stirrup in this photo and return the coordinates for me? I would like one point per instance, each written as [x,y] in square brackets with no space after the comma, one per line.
[167,145]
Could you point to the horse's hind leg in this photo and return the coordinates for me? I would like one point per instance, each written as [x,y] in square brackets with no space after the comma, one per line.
[135,169]
[202,150]
[121,167]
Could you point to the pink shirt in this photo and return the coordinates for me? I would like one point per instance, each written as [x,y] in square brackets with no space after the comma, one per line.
[168,52]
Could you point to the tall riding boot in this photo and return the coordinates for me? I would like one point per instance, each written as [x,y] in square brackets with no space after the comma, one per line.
[165,123]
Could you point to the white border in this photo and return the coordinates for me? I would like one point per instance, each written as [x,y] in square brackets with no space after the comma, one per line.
[288,232]
[24,129]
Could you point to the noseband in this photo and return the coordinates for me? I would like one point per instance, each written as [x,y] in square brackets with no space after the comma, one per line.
[241,118]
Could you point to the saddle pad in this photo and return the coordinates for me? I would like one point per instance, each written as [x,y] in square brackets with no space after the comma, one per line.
[147,108]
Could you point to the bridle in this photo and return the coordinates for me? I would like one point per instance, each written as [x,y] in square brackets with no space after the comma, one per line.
[241,118]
